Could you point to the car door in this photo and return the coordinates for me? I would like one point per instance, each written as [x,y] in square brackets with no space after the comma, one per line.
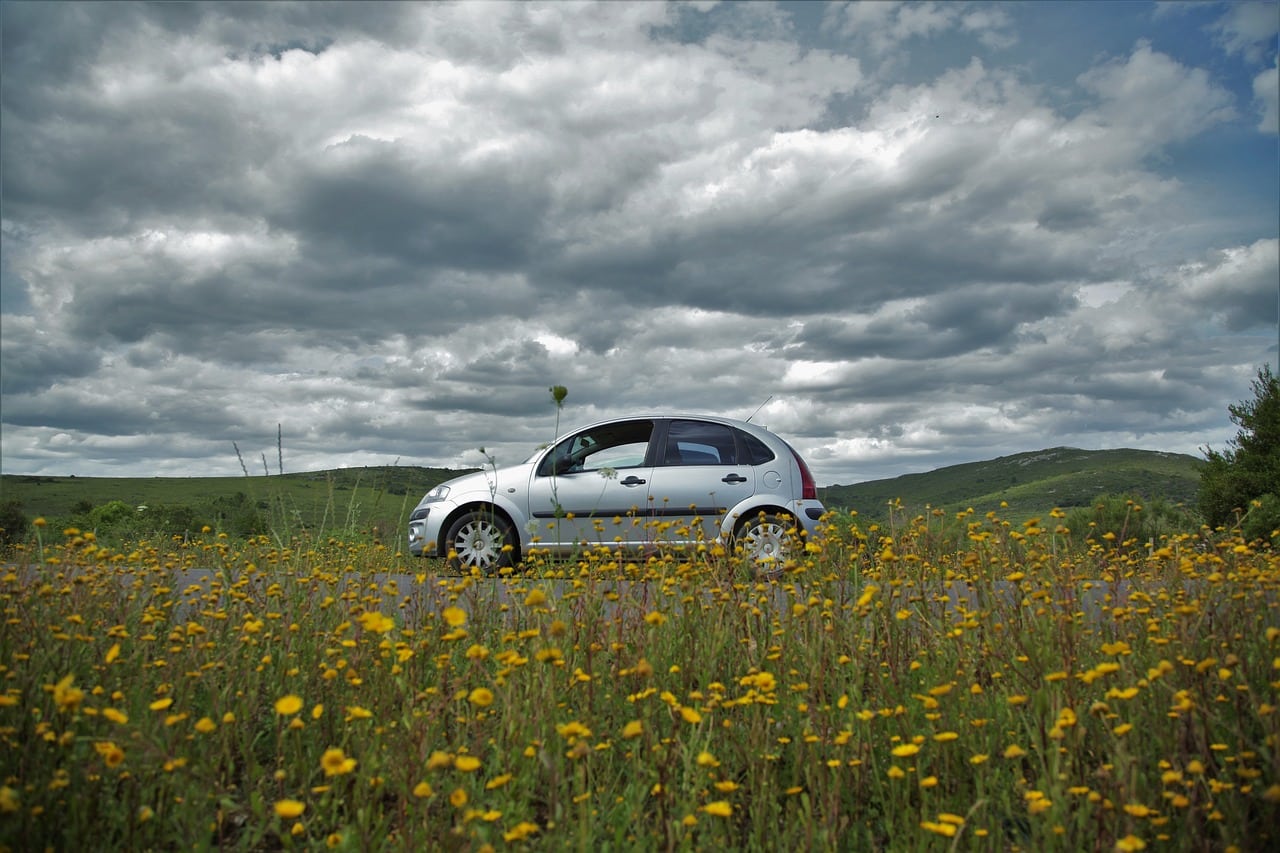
[698,476]
[592,488]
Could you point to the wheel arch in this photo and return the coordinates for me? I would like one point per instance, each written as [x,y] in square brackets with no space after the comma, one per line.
[480,506]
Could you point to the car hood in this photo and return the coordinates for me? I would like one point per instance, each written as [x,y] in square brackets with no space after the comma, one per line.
[489,481]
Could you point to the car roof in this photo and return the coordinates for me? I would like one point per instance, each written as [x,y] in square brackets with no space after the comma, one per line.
[693,416]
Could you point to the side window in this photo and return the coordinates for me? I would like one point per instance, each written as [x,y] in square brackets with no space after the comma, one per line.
[755,451]
[617,445]
[699,443]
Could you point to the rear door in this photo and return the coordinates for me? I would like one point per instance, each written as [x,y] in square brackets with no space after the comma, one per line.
[697,479]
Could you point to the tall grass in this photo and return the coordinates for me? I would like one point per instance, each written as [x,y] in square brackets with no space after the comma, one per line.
[885,691]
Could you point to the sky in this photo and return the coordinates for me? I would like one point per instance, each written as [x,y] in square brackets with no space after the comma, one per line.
[902,236]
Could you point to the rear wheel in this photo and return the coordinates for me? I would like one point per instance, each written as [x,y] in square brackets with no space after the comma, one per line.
[766,541]
[477,540]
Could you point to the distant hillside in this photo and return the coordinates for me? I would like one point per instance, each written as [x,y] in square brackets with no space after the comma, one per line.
[1031,483]
[343,497]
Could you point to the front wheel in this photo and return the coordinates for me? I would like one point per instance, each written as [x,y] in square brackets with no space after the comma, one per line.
[765,541]
[477,539]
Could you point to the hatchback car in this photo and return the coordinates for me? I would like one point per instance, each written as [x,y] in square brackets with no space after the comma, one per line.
[631,484]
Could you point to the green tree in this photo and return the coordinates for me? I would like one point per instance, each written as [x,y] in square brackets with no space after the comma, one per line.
[1249,470]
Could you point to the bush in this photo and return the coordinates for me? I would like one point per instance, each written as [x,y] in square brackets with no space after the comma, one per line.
[13,522]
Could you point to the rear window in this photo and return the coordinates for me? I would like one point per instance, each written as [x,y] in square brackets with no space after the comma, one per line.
[754,451]
[699,443]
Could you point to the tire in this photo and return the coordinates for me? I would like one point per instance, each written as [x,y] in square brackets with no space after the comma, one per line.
[765,541]
[477,539]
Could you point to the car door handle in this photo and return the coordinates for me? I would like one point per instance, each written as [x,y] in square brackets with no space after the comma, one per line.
[733,478]
[633,480]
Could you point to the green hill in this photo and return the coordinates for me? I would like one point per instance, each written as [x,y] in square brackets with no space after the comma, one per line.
[1031,483]
[378,497]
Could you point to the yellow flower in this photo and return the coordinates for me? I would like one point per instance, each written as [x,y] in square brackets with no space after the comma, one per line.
[720,808]
[535,598]
[335,762]
[289,809]
[204,725]
[9,801]
[467,763]
[945,829]
[161,704]
[944,737]
[458,798]
[115,716]
[706,759]
[112,755]
[1129,844]
[1014,751]
[422,790]
[355,712]
[633,729]
[287,705]
[905,750]
[690,715]
[67,697]
[481,697]
[375,623]
[520,831]
[454,617]
[653,617]
[570,731]
[113,653]
[439,760]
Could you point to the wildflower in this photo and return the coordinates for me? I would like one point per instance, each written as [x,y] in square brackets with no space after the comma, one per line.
[1130,843]
[905,750]
[720,808]
[204,725]
[161,704]
[653,617]
[706,759]
[497,781]
[633,729]
[113,653]
[115,716]
[1014,751]
[520,831]
[690,715]
[145,813]
[355,712]
[422,790]
[9,801]
[467,763]
[572,731]
[535,598]
[454,617]
[66,696]
[287,705]
[289,809]
[944,737]
[458,798]
[336,763]
[375,623]
[112,755]
[439,760]
[947,830]
[481,697]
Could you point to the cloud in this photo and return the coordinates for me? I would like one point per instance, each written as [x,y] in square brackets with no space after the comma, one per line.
[390,227]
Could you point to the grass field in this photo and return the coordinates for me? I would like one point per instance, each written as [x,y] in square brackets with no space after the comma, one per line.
[842,705]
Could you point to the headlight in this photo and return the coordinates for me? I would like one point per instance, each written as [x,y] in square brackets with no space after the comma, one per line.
[439,493]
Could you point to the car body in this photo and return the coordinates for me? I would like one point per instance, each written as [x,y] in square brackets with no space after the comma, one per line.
[631,484]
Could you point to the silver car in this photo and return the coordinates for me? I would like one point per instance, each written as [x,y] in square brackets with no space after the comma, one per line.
[632,484]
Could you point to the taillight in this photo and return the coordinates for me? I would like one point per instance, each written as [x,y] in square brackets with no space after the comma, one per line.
[808,488]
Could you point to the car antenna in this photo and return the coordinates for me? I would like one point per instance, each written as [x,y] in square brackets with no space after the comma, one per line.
[759,407]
